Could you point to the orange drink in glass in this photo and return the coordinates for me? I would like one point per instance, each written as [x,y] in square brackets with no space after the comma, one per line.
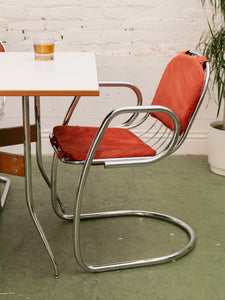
[44,49]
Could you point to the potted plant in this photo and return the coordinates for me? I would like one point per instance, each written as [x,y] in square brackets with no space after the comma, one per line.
[212,45]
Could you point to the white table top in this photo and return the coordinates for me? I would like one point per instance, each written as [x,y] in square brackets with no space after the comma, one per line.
[69,74]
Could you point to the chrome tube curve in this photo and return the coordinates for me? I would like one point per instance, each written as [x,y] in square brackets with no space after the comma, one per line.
[131,86]
[70,110]
[107,84]
[121,162]
[148,129]
[141,262]
[83,178]
[160,155]
[61,214]
[205,86]
[39,148]
[6,182]
[28,182]
[175,141]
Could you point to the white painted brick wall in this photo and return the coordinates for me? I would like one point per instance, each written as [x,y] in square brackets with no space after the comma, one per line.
[133,41]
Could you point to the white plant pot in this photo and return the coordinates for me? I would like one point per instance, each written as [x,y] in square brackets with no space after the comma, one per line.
[216,149]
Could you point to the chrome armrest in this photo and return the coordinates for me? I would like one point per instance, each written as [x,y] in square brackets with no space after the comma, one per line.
[71,110]
[131,86]
[108,84]
[123,84]
[134,109]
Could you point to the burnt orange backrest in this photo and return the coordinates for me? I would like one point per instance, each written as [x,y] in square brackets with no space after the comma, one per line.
[180,89]
[1,48]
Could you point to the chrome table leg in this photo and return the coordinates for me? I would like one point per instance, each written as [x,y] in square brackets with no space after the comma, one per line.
[28,181]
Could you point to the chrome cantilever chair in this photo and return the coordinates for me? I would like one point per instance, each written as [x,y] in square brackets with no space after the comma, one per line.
[172,112]
[3,180]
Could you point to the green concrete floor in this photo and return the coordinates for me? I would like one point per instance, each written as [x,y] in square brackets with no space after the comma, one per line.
[181,186]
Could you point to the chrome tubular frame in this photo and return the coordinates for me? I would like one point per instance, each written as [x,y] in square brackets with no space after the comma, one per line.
[6,182]
[77,207]
[58,212]
[165,149]
[108,84]
[136,263]
[131,86]
[71,109]
[66,121]
[39,147]
[28,181]
[78,201]
[69,113]
[120,162]
[205,86]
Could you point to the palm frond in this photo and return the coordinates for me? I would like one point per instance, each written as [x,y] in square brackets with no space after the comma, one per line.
[218,7]
[212,45]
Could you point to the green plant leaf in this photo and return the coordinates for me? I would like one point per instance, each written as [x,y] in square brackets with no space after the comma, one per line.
[212,45]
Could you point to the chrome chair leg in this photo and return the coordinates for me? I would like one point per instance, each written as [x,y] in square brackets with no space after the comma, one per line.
[136,263]
[54,197]
[128,264]
[121,213]
[28,182]
[6,182]
[39,149]
[166,112]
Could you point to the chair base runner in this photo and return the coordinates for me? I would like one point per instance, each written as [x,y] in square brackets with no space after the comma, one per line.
[6,182]
[137,263]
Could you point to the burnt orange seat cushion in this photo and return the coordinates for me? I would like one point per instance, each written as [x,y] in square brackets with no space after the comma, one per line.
[180,89]
[75,141]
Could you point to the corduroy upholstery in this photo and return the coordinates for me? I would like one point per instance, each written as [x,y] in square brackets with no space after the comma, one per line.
[180,89]
[75,141]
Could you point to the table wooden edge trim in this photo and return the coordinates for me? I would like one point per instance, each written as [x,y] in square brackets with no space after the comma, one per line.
[50,93]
